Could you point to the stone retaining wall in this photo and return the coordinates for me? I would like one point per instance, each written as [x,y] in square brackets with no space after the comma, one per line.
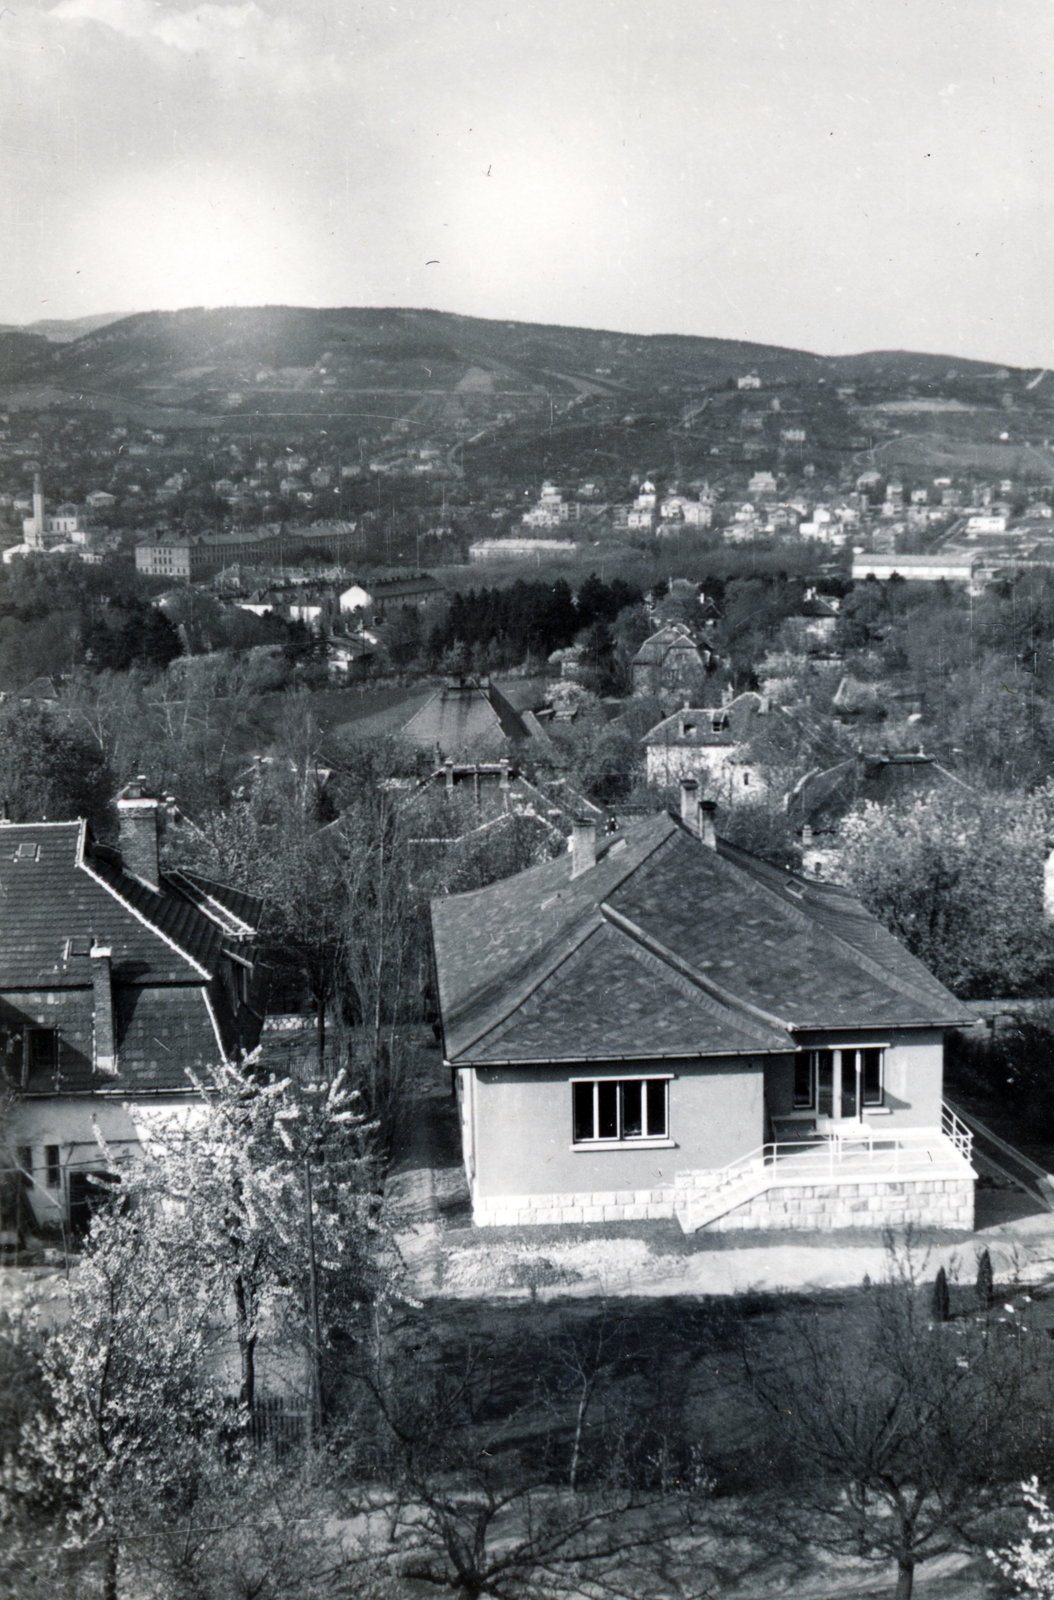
[612,1205]
[927,1202]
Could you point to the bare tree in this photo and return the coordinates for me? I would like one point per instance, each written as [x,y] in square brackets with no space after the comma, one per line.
[901,1434]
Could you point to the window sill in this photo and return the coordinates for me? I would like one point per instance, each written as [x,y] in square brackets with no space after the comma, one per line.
[624,1144]
[878,1111]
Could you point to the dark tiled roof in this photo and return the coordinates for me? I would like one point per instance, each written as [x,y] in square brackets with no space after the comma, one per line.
[693,727]
[236,912]
[460,716]
[55,887]
[824,796]
[653,651]
[666,947]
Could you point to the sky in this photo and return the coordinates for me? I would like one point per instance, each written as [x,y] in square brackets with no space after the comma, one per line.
[835,175]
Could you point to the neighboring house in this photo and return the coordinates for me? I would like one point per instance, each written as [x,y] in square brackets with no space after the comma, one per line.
[822,798]
[472,717]
[388,594]
[662,1025]
[820,613]
[468,804]
[668,661]
[115,977]
[709,744]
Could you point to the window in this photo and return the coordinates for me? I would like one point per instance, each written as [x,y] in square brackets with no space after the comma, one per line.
[814,1081]
[42,1053]
[861,1081]
[618,1111]
[870,1073]
[51,1163]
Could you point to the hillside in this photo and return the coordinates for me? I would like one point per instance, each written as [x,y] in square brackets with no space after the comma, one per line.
[199,359]
[525,401]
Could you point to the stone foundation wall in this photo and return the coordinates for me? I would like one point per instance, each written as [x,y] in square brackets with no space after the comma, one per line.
[927,1202]
[612,1205]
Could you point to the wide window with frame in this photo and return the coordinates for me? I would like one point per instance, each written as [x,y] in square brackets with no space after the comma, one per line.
[620,1111]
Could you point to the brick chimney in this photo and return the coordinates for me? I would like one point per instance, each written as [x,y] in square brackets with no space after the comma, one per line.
[583,846]
[104,1037]
[707,810]
[137,838]
[690,804]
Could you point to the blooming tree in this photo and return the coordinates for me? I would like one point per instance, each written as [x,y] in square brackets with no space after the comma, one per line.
[1030,1563]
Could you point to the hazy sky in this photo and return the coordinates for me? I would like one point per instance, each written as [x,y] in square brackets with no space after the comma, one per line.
[833,174]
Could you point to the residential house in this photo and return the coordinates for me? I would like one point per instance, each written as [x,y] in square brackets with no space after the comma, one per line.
[470,718]
[709,744]
[115,977]
[822,797]
[669,661]
[461,807]
[661,1025]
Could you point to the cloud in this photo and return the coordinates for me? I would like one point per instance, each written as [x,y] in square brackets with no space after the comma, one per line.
[198,29]
[235,43]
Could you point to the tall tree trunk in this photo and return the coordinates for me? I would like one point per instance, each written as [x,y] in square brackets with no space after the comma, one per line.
[246,1346]
[580,1423]
[905,1578]
[109,1573]
[321,1031]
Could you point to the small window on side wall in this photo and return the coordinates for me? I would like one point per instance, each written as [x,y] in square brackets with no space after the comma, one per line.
[42,1050]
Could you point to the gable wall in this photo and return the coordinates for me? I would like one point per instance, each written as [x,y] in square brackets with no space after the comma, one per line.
[94,1133]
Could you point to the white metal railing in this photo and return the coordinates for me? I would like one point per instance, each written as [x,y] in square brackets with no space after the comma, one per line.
[957,1131]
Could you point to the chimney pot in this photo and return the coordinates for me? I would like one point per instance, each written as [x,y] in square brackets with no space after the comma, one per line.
[690,804]
[138,827]
[104,1037]
[583,846]
[707,810]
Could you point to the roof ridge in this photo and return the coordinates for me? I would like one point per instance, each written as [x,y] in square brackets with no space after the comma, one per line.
[730,1001]
[687,986]
[141,916]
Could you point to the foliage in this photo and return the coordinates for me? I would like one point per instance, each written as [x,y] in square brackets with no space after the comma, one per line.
[961,882]
[51,772]
[128,1406]
[762,827]
[502,627]
[1029,1564]
[236,1175]
[1011,1069]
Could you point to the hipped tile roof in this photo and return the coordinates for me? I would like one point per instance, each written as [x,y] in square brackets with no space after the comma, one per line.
[667,947]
